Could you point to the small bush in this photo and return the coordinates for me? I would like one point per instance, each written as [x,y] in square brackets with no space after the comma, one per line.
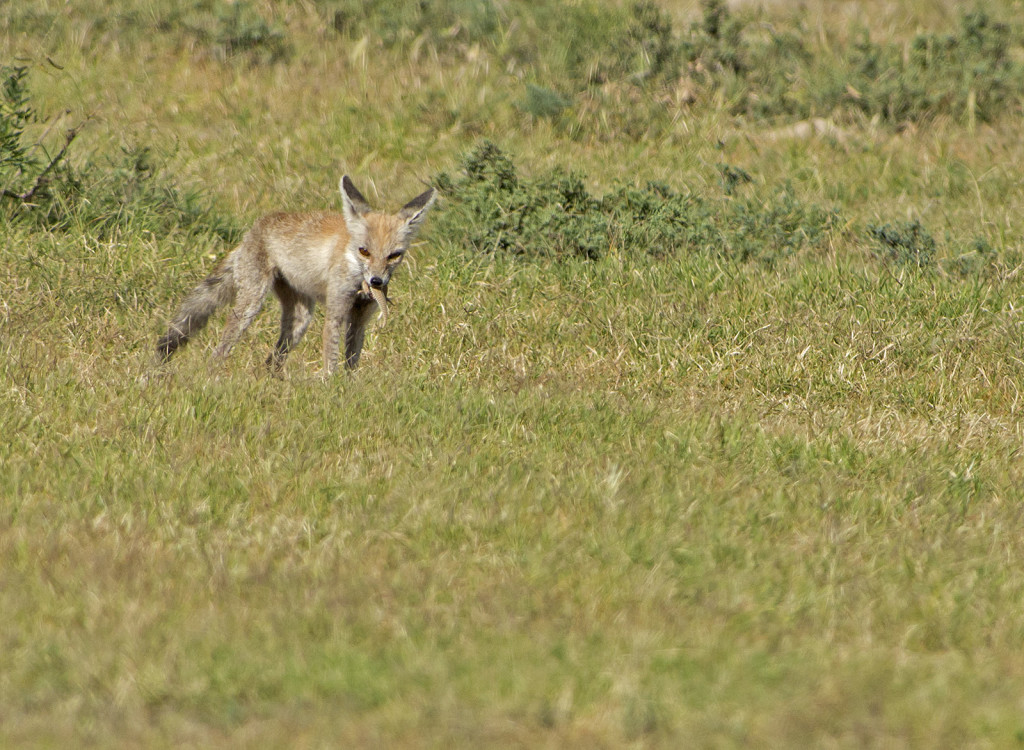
[492,209]
[560,46]
[29,178]
[716,44]
[134,189]
[543,102]
[778,227]
[733,177]
[448,25]
[644,48]
[904,243]
[230,30]
[967,73]
[240,30]
[102,197]
[978,258]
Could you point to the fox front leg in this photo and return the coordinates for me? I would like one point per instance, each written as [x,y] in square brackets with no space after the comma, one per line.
[338,314]
[362,311]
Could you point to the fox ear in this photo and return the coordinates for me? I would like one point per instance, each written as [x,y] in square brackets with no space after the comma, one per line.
[353,201]
[415,211]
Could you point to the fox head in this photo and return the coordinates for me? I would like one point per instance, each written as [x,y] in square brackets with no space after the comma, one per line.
[378,241]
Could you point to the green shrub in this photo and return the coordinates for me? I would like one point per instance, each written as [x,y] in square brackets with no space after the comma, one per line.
[490,207]
[229,30]
[29,179]
[543,102]
[904,243]
[970,72]
[445,24]
[765,71]
[563,46]
[646,50]
[733,177]
[760,70]
[978,258]
[715,44]
[135,190]
[103,196]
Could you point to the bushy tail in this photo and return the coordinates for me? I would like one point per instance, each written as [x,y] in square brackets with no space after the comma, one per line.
[216,290]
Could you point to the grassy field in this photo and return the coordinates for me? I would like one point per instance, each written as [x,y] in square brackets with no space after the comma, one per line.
[697,422]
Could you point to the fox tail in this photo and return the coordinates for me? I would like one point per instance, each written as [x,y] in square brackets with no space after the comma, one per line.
[216,290]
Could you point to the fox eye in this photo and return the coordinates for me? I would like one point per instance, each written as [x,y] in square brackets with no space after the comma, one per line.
[394,256]
[364,252]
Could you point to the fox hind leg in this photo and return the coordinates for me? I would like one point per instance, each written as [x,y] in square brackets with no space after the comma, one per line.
[296,315]
[249,296]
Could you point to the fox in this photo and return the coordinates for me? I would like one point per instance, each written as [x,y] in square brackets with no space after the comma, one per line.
[342,261]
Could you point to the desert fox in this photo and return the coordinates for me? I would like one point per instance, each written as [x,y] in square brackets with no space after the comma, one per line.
[342,260]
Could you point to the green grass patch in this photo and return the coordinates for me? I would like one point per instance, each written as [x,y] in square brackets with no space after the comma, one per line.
[691,426]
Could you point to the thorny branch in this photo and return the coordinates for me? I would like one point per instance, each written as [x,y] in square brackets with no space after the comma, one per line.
[41,178]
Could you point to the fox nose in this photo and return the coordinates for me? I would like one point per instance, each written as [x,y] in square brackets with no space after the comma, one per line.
[376,282]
